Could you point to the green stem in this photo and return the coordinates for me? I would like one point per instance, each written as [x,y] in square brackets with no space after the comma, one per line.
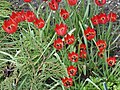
[32,8]
[103,30]
[47,20]
[62,64]
[54,86]
[39,9]
[46,48]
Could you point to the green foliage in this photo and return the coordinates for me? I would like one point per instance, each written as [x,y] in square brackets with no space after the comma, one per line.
[34,60]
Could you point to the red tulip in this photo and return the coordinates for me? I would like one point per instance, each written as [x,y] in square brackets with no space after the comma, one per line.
[111,61]
[10,26]
[103,18]
[72,70]
[64,14]
[27,0]
[67,82]
[39,23]
[95,20]
[53,5]
[72,2]
[82,47]
[18,16]
[89,33]
[21,14]
[101,44]
[100,2]
[112,17]
[61,29]
[30,16]
[83,54]
[58,1]
[73,57]
[69,39]
[101,54]
[15,16]
[58,44]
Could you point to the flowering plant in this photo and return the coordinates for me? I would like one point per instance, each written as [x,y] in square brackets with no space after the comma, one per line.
[61,44]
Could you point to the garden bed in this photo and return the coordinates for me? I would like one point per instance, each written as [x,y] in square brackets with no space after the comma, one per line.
[54,49]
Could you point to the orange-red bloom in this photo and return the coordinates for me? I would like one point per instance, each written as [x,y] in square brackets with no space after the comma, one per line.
[95,20]
[73,57]
[18,16]
[102,18]
[58,44]
[101,44]
[111,61]
[83,54]
[58,1]
[53,5]
[64,14]
[39,23]
[21,14]
[100,2]
[27,0]
[69,39]
[72,70]
[10,26]
[67,82]
[101,54]
[61,29]
[89,33]
[30,16]
[82,47]
[112,17]
[72,2]
[15,17]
